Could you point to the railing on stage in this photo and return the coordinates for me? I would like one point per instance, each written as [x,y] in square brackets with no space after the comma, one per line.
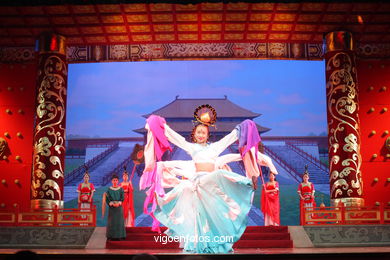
[56,217]
[342,215]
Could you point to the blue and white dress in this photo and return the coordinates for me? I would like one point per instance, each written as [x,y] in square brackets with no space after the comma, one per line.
[206,210]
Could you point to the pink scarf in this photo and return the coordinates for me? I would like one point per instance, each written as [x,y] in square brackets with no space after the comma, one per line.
[152,178]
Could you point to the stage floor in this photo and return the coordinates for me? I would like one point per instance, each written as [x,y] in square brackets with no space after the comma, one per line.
[347,251]
[95,249]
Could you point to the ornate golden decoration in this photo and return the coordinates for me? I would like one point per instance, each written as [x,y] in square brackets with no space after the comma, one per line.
[349,202]
[387,143]
[4,150]
[49,130]
[46,204]
[342,109]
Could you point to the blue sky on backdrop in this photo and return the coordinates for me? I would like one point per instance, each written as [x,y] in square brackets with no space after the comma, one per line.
[109,99]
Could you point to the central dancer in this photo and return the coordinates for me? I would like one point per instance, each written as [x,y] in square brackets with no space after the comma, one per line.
[208,205]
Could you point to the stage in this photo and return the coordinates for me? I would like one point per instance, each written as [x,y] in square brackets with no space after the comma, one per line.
[269,253]
[302,249]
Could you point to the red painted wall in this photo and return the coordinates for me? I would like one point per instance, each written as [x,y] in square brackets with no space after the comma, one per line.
[374,92]
[17,92]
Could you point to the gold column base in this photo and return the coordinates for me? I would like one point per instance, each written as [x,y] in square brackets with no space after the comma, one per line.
[46,204]
[348,202]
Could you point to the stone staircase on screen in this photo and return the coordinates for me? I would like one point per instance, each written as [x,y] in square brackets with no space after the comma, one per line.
[253,237]
[297,162]
[106,166]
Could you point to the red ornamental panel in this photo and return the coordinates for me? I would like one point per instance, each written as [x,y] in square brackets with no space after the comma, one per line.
[343,127]
[49,141]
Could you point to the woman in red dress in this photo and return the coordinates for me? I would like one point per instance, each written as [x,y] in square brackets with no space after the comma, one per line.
[270,202]
[306,193]
[85,190]
[128,205]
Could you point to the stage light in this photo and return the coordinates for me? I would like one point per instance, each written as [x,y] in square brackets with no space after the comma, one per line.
[360,19]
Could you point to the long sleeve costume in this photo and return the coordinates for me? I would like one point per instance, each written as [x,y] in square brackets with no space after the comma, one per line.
[115,222]
[270,204]
[204,207]
[128,204]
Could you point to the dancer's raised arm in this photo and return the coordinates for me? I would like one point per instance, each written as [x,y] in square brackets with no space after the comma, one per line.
[226,141]
[177,139]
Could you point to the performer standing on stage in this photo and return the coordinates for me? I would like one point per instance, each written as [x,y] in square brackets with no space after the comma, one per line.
[114,197]
[85,192]
[306,192]
[210,205]
[270,202]
[128,204]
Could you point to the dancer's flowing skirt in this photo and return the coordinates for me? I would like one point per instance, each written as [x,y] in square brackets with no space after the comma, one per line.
[207,212]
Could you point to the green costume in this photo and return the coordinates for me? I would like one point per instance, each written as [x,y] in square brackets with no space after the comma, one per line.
[115,223]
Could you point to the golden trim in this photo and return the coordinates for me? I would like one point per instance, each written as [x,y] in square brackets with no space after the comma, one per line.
[348,202]
[309,216]
[88,217]
[339,41]
[49,217]
[8,221]
[386,214]
[349,215]
[46,204]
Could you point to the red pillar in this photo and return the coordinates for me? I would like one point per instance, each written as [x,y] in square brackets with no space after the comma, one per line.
[47,183]
[343,121]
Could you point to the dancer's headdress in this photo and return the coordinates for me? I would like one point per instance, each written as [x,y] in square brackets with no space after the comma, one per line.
[124,170]
[306,172]
[86,171]
[206,115]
